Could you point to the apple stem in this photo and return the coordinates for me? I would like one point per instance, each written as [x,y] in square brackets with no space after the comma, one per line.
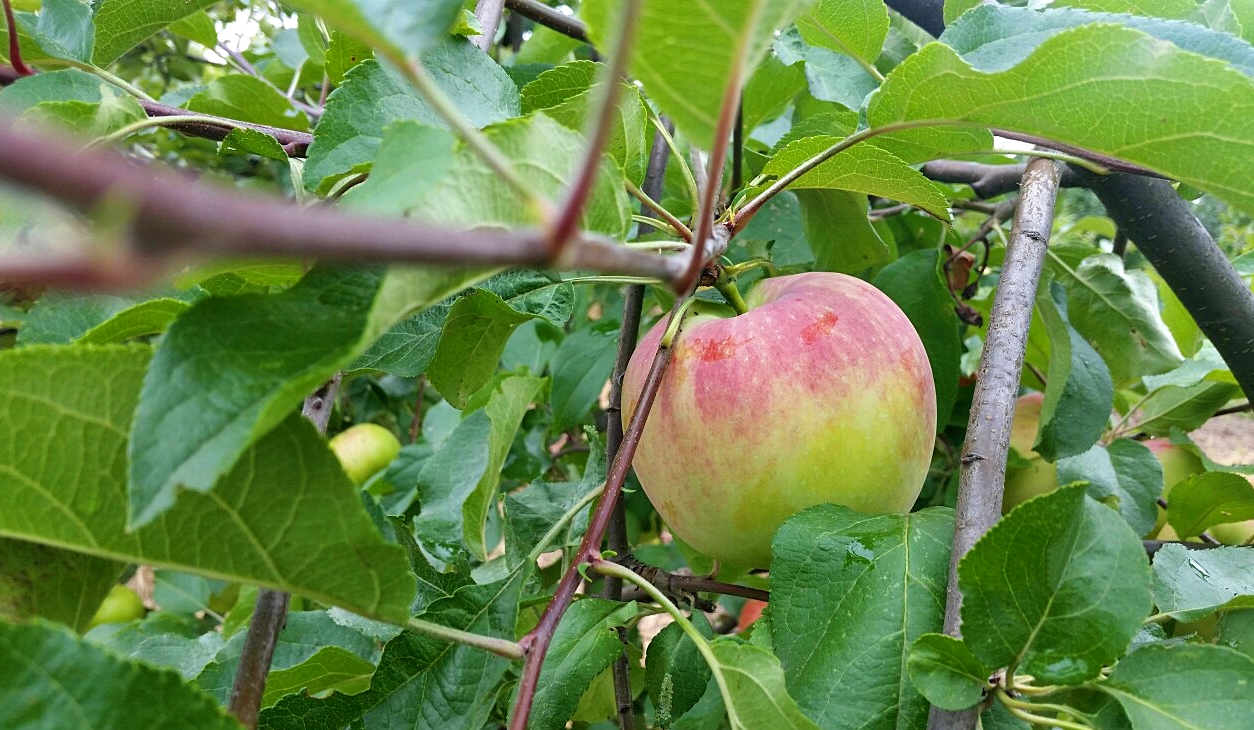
[726,286]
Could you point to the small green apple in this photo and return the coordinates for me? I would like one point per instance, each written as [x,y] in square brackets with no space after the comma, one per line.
[364,449]
[120,606]
[1178,464]
[821,392]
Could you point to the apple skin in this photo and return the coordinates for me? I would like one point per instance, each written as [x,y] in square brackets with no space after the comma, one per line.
[1039,476]
[821,392]
[364,449]
[121,605]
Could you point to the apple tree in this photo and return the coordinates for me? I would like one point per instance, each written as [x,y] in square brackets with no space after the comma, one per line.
[231,230]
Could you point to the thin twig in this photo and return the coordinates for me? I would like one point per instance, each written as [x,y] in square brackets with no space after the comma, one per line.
[550,18]
[15,49]
[647,201]
[988,433]
[270,614]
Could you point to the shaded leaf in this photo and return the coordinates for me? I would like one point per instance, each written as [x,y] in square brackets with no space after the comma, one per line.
[758,698]
[1184,687]
[1078,392]
[123,24]
[38,581]
[1123,474]
[946,672]
[1208,499]
[403,27]
[1192,584]
[675,672]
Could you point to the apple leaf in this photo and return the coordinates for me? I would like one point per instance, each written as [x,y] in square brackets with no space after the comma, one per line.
[446,480]
[470,346]
[1185,408]
[412,160]
[769,90]
[1117,311]
[585,644]
[1065,584]
[839,234]
[51,678]
[684,51]
[160,640]
[849,593]
[1184,687]
[855,28]
[530,512]
[675,672]
[1063,91]
[329,669]
[232,368]
[1078,391]
[946,672]
[406,349]
[63,29]
[248,99]
[61,319]
[422,681]
[38,581]
[581,366]
[830,76]
[1192,584]
[1124,475]
[374,96]
[863,169]
[757,698]
[123,24]
[1209,499]
[399,27]
[914,283]
[310,537]
[1236,630]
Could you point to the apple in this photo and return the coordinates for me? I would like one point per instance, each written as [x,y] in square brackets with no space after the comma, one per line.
[364,449]
[821,392]
[120,606]
[1038,476]
[749,613]
[1178,464]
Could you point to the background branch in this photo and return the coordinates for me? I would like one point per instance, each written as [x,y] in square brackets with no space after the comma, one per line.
[550,18]
[997,385]
[989,181]
[927,14]
[1154,217]
[488,12]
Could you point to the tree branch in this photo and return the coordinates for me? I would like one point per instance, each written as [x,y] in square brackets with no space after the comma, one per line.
[550,18]
[488,12]
[270,614]
[175,218]
[1161,225]
[988,433]
[988,181]
[927,14]
[15,50]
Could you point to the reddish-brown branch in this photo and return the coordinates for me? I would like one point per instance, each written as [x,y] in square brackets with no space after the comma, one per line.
[488,12]
[172,218]
[15,49]
[567,221]
[550,18]
[536,643]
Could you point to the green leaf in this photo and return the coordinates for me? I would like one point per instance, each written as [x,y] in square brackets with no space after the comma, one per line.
[1158,8]
[684,51]
[1192,584]
[396,27]
[1184,687]
[232,368]
[585,644]
[505,409]
[64,318]
[197,27]
[373,96]
[1117,312]
[1078,391]
[1235,629]
[470,347]
[47,582]
[946,672]
[863,169]
[849,594]
[343,53]
[163,640]
[1057,588]
[1123,474]
[996,38]
[181,593]
[65,85]
[830,76]
[412,159]
[422,682]
[915,284]
[248,99]
[758,698]
[330,669]
[856,28]
[63,29]
[836,227]
[1212,498]
[1063,90]
[769,90]
[407,348]
[66,455]
[251,142]
[531,512]
[445,482]
[580,368]
[1185,408]
[50,678]
[123,24]
[675,672]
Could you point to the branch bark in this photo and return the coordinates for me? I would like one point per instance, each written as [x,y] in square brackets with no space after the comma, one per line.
[1161,225]
[270,614]
[489,14]
[989,181]
[550,18]
[992,411]
[173,218]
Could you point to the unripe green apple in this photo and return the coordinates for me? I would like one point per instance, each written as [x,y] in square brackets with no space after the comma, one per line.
[120,606]
[1038,476]
[364,449]
[1178,464]
[821,392]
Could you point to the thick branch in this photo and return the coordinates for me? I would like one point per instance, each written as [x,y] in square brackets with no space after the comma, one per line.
[489,14]
[988,181]
[550,18]
[927,14]
[172,216]
[997,385]
[1161,225]
[270,614]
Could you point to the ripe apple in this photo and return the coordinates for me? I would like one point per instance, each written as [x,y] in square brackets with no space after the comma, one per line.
[364,449]
[120,606]
[821,392]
